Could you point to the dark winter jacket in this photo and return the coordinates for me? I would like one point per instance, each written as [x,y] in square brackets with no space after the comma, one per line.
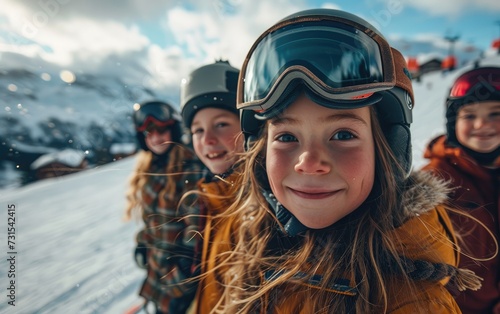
[170,235]
[421,204]
[477,192]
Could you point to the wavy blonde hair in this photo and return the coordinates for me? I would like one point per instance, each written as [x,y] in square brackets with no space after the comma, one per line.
[359,246]
[139,178]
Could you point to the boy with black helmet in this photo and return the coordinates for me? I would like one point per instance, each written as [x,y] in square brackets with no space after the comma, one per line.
[208,102]
[165,170]
[468,156]
[328,217]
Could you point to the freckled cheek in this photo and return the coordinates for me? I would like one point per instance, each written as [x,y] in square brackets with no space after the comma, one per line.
[359,166]
[278,164]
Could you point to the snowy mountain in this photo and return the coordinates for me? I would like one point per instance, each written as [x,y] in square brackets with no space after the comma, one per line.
[74,253]
[50,107]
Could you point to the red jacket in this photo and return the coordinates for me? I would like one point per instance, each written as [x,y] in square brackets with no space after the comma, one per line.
[477,192]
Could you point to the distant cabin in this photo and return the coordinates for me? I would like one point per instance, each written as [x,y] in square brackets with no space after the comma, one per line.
[422,65]
[122,150]
[58,164]
[431,65]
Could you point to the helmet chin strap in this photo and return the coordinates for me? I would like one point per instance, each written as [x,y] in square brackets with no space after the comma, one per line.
[291,225]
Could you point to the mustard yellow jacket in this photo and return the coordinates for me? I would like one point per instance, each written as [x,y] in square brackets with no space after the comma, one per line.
[215,240]
[426,235]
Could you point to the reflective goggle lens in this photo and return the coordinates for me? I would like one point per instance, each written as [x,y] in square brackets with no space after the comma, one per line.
[152,128]
[155,113]
[342,61]
[151,123]
[477,83]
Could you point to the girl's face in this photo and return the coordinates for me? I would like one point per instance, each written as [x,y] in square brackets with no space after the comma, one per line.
[215,138]
[478,126]
[158,139]
[320,162]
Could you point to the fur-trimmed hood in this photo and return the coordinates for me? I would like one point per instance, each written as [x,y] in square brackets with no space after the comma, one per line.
[423,192]
[424,202]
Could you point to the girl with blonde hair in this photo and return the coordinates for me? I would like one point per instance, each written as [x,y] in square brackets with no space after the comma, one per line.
[166,169]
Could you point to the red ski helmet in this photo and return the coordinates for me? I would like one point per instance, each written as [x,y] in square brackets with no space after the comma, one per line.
[473,86]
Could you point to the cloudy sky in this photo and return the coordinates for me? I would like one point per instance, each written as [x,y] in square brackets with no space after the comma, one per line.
[170,38]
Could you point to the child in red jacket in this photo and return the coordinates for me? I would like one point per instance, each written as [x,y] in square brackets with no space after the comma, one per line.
[469,157]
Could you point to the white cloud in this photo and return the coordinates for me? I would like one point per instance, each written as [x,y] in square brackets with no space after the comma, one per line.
[223,30]
[65,41]
[452,8]
[117,10]
[77,35]
[328,5]
[226,30]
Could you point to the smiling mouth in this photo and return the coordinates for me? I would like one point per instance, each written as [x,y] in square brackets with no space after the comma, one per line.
[216,155]
[313,194]
[486,136]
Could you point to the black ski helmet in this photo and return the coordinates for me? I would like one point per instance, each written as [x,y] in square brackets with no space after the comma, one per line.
[160,113]
[341,61]
[212,85]
[472,86]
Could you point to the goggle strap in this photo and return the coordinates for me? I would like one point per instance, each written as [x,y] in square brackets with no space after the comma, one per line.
[403,76]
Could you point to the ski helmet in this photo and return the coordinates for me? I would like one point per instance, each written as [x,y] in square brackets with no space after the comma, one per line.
[212,85]
[473,86]
[341,61]
[158,113]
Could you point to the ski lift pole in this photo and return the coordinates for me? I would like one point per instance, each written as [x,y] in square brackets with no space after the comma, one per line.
[451,58]
[498,48]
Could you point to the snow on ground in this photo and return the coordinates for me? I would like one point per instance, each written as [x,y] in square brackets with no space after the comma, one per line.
[74,253]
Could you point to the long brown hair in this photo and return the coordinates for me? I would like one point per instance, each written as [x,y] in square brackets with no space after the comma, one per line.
[358,246]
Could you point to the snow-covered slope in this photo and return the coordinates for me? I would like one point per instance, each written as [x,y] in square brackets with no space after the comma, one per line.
[74,253]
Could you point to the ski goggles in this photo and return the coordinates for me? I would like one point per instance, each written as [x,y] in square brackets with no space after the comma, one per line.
[155,128]
[477,85]
[339,59]
[153,113]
